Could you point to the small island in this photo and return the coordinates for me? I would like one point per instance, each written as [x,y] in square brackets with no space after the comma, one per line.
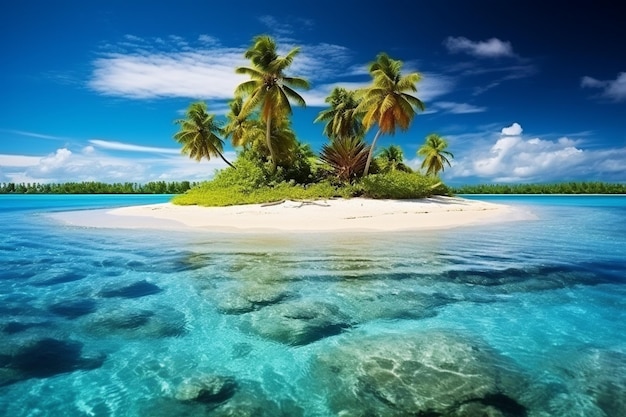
[273,165]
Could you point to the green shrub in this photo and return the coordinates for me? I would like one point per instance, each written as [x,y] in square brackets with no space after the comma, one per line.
[217,195]
[401,185]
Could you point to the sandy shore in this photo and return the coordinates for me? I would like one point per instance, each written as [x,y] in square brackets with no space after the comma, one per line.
[334,215]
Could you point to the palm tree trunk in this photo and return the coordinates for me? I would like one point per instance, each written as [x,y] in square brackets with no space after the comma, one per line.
[225,160]
[268,140]
[371,153]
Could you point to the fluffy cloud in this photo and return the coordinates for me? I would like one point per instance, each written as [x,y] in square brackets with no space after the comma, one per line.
[205,74]
[149,69]
[491,48]
[96,163]
[53,162]
[510,157]
[514,130]
[614,90]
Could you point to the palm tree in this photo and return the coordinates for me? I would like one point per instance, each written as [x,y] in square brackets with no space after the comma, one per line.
[385,102]
[346,157]
[199,134]
[283,141]
[392,159]
[343,119]
[239,128]
[269,89]
[435,155]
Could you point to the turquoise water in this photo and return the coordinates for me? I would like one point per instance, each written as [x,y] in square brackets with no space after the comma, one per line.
[512,319]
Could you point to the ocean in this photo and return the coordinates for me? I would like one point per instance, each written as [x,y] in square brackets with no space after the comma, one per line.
[523,318]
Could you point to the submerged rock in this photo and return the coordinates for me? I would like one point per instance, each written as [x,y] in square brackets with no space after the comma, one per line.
[432,373]
[73,308]
[251,401]
[44,358]
[206,389]
[59,278]
[137,323]
[18,326]
[594,382]
[533,278]
[370,304]
[297,322]
[250,298]
[247,400]
[134,290]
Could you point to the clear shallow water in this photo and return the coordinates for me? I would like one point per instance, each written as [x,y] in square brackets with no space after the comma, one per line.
[515,319]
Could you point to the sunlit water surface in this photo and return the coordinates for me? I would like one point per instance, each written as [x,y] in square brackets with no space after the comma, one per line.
[511,319]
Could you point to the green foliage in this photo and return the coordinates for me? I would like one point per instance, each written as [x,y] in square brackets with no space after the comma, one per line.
[345,158]
[435,154]
[386,102]
[557,188]
[153,187]
[391,159]
[255,170]
[343,118]
[199,133]
[401,185]
[210,194]
[269,90]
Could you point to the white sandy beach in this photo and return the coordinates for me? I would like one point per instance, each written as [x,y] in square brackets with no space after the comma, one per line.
[335,215]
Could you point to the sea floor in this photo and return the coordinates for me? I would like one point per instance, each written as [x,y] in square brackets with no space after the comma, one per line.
[516,319]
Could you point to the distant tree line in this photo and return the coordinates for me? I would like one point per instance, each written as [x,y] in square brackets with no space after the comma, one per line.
[153,187]
[556,188]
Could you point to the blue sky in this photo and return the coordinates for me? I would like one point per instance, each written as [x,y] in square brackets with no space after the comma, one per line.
[524,91]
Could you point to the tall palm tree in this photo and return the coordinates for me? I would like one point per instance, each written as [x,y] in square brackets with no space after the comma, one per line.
[269,89]
[392,159]
[199,134]
[435,154]
[343,118]
[385,102]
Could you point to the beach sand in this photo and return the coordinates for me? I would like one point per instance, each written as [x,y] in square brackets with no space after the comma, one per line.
[334,215]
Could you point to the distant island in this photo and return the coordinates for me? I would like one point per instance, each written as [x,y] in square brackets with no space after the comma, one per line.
[94,187]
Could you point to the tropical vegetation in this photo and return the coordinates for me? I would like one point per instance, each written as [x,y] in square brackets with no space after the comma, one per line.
[199,134]
[272,164]
[435,154]
[391,159]
[269,90]
[591,187]
[152,187]
[386,102]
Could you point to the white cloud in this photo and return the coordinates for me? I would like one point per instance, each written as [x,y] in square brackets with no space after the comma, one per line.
[509,157]
[63,165]
[119,146]
[33,134]
[614,90]
[204,74]
[514,130]
[18,160]
[457,108]
[172,68]
[491,48]
[54,161]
